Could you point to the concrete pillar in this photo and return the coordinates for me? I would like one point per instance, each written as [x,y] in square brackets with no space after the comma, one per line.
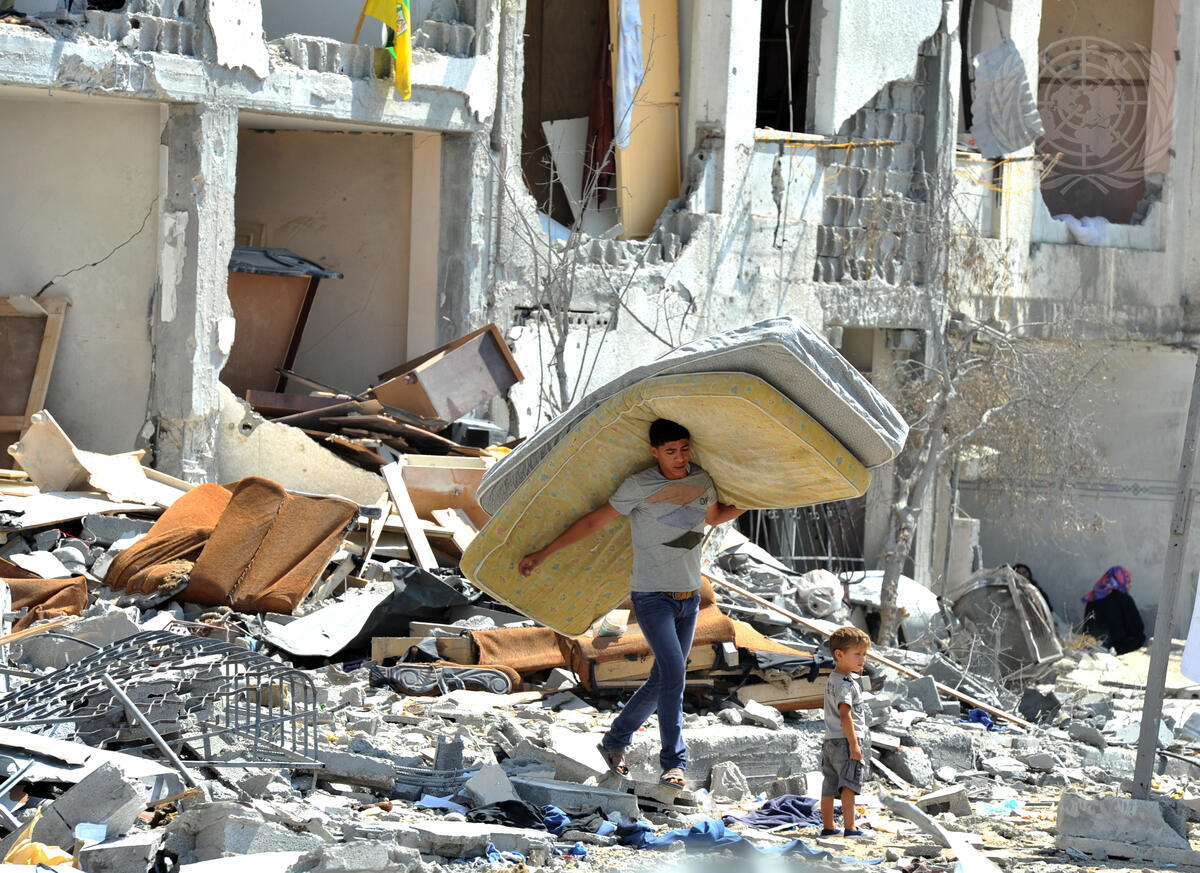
[192,323]
[468,227]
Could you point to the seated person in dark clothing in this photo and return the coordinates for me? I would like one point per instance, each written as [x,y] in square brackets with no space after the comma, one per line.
[1111,616]
[1023,570]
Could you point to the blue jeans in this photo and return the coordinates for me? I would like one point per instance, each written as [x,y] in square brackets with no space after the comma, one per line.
[668,625]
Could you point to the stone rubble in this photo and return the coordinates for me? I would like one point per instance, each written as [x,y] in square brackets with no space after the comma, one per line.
[400,775]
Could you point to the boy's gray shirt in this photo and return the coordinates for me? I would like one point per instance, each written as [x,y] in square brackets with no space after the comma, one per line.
[844,688]
[667,517]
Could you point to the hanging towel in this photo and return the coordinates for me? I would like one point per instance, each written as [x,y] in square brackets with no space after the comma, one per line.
[1005,113]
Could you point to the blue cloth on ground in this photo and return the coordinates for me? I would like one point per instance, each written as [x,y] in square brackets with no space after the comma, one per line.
[556,820]
[980,717]
[711,836]
[785,809]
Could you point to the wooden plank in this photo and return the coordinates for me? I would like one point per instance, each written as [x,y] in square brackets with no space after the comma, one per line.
[275,403]
[460,650]
[52,625]
[375,529]
[314,416]
[56,310]
[630,669]
[786,696]
[461,532]
[412,529]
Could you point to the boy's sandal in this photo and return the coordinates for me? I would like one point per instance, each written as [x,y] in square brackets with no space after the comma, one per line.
[614,757]
[672,778]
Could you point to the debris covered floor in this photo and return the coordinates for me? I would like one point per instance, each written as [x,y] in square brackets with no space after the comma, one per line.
[228,678]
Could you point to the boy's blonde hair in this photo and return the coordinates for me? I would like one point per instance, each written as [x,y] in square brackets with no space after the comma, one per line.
[848,637]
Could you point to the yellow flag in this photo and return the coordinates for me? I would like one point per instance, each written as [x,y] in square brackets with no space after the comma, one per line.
[397,14]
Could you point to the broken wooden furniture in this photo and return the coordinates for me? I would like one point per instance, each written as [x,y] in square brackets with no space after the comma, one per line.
[271,291]
[30,328]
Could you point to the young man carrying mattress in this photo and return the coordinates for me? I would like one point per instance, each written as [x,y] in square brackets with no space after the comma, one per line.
[668,505]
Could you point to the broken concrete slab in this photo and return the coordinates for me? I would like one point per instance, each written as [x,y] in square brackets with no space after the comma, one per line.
[727,782]
[574,798]
[573,755]
[106,796]
[460,839]
[490,785]
[130,854]
[102,624]
[210,830]
[1102,850]
[1086,733]
[911,764]
[760,713]
[1159,823]
[945,743]
[1004,767]
[364,770]
[953,799]
[262,862]
[358,857]
[1039,706]
[924,691]
[104,530]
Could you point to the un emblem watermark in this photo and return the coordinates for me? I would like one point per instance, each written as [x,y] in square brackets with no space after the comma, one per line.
[1107,110]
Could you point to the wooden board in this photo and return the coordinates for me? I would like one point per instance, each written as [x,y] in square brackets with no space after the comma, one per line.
[636,670]
[30,329]
[459,525]
[412,526]
[460,650]
[788,696]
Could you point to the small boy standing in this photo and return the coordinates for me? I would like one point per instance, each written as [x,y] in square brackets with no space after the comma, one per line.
[844,752]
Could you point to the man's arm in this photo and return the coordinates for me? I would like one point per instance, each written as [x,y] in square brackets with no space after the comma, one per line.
[719,513]
[856,753]
[581,529]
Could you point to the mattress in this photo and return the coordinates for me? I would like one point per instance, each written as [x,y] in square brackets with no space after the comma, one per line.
[762,450]
[785,352]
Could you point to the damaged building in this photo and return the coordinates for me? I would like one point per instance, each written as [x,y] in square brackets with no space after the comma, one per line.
[603,181]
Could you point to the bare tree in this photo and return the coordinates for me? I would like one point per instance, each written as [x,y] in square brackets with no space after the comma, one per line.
[1005,393]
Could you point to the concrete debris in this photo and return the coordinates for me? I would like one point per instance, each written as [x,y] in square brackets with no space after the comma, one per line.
[398,781]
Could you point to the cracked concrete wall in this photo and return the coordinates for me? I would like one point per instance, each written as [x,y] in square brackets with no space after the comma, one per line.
[94,234]
[193,326]
[354,216]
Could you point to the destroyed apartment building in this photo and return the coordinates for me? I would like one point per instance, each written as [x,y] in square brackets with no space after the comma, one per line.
[298,296]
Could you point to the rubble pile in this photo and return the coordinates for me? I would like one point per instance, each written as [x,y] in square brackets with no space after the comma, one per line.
[228,678]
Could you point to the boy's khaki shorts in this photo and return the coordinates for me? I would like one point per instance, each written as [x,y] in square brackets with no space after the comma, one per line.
[838,771]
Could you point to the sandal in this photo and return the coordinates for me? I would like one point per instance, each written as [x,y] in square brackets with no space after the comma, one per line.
[672,778]
[614,757]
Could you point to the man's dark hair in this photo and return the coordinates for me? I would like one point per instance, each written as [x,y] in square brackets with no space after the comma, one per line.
[663,430]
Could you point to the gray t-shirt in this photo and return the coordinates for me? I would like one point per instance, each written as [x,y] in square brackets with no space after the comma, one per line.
[667,518]
[844,688]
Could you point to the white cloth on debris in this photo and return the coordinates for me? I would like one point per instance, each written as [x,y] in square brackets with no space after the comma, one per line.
[629,73]
[1005,114]
[1091,230]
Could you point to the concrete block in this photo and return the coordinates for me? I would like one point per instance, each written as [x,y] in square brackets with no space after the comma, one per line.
[455,839]
[130,854]
[1160,823]
[1129,733]
[1004,767]
[731,715]
[360,856]
[727,782]
[760,713]
[1043,762]
[1039,706]
[490,785]
[1086,733]
[762,754]
[953,799]
[911,764]
[1102,850]
[924,691]
[573,755]
[946,744]
[361,770]
[105,796]
[573,798]
[43,652]
[214,829]
[105,530]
